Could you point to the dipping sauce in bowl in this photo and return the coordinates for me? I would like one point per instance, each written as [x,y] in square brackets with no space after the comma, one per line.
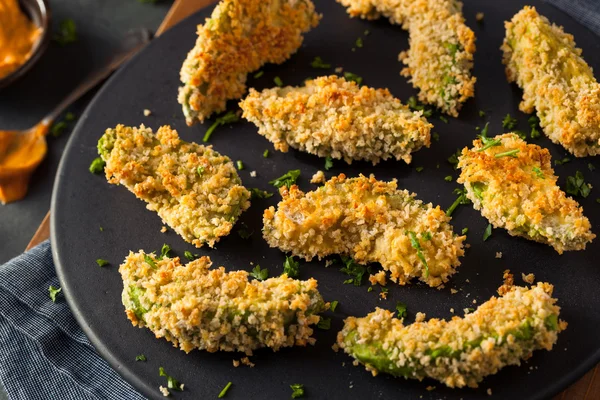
[18,36]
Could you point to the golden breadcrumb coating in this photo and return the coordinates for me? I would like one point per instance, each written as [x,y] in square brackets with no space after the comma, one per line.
[332,117]
[460,352]
[370,221]
[543,60]
[194,189]
[519,193]
[193,306]
[238,38]
[440,56]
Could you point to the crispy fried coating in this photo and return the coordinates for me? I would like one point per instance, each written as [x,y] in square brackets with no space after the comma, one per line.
[519,193]
[330,116]
[194,189]
[543,60]
[238,38]
[460,352]
[440,56]
[193,306]
[370,221]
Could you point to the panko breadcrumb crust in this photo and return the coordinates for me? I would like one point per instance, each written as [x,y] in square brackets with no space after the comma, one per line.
[330,116]
[370,221]
[460,352]
[196,307]
[194,189]
[238,38]
[543,60]
[440,57]
[520,194]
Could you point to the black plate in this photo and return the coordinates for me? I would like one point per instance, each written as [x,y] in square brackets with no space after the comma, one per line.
[83,203]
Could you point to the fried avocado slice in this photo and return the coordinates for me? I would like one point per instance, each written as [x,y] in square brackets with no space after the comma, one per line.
[194,189]
[460,352]
[238,38]
[513,184]
[543,60]
[440,57]
[370,221]
[195,307]
[332,117]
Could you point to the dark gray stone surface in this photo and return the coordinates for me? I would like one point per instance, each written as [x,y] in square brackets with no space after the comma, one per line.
[100,26]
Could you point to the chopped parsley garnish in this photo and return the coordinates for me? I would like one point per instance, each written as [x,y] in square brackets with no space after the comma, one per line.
[435,136]
[319,63]
[200,170]
[370,289]
[278,81]
[328,163]
[172,383]
[101,229]
[355,270]
[150,261]
[453,159]
[465,231]
[258,74]
[448,178]
[417,246]
[384,290]
[576,185]
[291,267]
[533,124]
[260,274]
[54,291]
[426,236]
[509,153]
[239,164]
[520,134]
[58,128]
[188,254]
[256,193]
[102,262]
[461,199]
[244,231]
[333,305]
[224,391]
[481,113]
[487,142]
[97,166]
[140,357]
[509,122]
[353,78]
[69,116]
[401,308]
[324,323]
[297,390]
[443,119]
[67,32]
[487,233]
[266,153]
[419,169]
[228,118]
[414,105]
[538,172]
[591,166]
[164,251]
[287,179]
[563,161]
[359,42]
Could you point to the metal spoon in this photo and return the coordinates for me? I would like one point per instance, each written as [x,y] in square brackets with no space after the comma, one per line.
[22,151]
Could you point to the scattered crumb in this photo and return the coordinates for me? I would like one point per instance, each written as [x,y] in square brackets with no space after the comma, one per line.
[467,280]
[355,363]
[453,291]
[529,278]
[318,178]
[246,361]
[479,16]
[420,317]
[452,310]
[474,301]
[335,348]
[147,112]
[236,363]
[378,278]
[466,311]
[468,245]
[565,349]
[163,229]
[430,388]
[498,254]
[344,364]
[182,386]
[328,263]
[489,391]
[383,295]
[508,283]
[164,391]
[339,70]
[253,174]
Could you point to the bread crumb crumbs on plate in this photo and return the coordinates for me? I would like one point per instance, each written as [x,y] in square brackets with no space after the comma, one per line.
[339,70]
[498,254]
[328,263]
[246,361]
[430,388]
[163,229]
[420,317]
[318,178]
[474,301]
[452,310]
[164,391]
[378,278]
[147,112]
[529,278]
[479,16]
[253,174]
[453,291]
[336,348]
[383,295]
[489,391]
[236,363]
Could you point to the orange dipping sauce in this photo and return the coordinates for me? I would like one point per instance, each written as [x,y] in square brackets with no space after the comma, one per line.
[18,35]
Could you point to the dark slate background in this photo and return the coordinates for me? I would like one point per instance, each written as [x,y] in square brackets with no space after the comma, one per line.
[100,27]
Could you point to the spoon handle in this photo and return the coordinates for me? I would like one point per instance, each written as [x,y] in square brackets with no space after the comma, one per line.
[133,42]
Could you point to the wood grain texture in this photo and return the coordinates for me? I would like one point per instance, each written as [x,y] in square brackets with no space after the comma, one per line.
[587,388]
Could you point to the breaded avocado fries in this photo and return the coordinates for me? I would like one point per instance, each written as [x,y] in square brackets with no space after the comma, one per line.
[194,189]
[440,56]
[513,184]
[330,116]
[238,38]
[557,83]
[370,221]
[460,352]
[196,307]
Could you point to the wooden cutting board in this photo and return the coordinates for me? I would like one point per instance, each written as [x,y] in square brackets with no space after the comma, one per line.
[587,388]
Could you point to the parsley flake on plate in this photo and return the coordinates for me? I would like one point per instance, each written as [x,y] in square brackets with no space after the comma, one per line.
[224,391]
[256,193]
[291,267]
[577,186]
[509,122]
[228,118]
[319,63]
[172,383]
[461,199]
[487,233]
[333,305]
[353,269]
[54,291]
[97,166]
[260,274]
[287,179]
[297,390]
[401,309]
[101,262]
[140,357]
[324,323]
[328,163]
